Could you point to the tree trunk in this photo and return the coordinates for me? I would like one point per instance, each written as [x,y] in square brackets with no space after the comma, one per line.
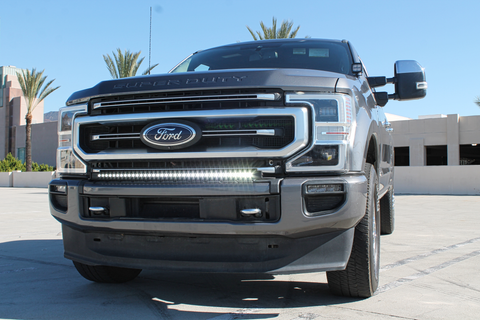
[28,142]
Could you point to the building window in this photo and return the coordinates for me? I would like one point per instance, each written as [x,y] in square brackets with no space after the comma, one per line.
[470,154]
[437,155]
[402,156]
[21,154]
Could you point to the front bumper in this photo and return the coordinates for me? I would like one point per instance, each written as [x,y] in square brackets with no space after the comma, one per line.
[295,242]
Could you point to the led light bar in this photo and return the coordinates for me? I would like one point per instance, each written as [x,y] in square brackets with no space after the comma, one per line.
[241,175]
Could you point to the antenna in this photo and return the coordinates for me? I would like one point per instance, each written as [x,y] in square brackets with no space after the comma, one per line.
[150,43]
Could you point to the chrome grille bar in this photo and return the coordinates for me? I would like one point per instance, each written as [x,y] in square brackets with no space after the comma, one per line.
[207,133]
[224,133]
[115,136]
[122,103]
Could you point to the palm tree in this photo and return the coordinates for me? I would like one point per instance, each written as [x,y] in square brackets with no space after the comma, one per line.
[478,101]
[31,83]
[272,33]
[125,64]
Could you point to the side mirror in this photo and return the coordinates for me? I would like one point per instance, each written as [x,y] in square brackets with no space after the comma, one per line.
[410,81]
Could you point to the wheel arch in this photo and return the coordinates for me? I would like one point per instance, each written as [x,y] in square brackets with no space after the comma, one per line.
[372,150]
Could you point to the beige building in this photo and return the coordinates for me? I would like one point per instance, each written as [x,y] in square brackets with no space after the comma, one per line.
[437,154]
[437,140]
[12,123]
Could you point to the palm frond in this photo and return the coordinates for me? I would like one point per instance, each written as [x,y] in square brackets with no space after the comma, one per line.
[253,34]
[110,66]
[124,64]
[33,88]
[285,30]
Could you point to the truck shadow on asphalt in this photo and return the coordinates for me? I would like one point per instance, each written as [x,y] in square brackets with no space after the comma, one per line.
[236,290]
[207,296]
[39,265]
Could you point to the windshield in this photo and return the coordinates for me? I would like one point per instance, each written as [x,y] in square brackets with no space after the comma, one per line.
[317,55]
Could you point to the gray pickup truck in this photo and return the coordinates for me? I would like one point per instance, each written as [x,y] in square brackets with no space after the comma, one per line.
[269,156]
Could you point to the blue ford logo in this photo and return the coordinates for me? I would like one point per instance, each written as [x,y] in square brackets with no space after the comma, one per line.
[170,135]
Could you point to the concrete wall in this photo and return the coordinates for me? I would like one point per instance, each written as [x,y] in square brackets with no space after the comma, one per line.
[6,179]
[460,180]
[26,179]
[469,129]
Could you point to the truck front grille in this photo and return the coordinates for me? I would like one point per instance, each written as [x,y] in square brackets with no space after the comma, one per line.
[219,133]
[251,123]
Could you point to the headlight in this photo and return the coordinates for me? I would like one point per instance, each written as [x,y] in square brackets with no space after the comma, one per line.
[332,116]
[67,161]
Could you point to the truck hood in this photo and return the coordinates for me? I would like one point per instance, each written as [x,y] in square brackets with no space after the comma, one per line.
[285,79]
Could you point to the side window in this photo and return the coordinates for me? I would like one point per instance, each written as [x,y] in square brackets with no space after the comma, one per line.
[202,67]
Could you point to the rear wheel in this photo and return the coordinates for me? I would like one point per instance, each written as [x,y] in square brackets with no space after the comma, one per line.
[387,212]
[106,274]
[360,278]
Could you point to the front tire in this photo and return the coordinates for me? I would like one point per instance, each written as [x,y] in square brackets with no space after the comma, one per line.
[106,274]
[360,277]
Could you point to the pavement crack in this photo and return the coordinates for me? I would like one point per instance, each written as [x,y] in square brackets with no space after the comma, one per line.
[427,254]
[158,308]
[423,273]
[378,313]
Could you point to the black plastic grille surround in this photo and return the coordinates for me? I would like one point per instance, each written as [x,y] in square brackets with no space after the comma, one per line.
[283,126]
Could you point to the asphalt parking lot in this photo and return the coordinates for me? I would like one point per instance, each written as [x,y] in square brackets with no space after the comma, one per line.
[430,269]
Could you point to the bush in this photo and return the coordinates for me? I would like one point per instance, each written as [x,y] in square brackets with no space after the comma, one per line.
[10,163]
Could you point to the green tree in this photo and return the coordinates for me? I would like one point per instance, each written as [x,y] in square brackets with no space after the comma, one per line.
[34,91]
[285,31]
[125,65]
[478,101]
[10,163]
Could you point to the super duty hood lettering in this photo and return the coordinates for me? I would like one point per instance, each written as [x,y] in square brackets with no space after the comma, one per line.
[170,82]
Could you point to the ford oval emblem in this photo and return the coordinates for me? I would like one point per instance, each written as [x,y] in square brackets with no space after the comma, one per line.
[170,135]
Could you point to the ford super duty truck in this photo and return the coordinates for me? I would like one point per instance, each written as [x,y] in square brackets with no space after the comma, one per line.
[268,156]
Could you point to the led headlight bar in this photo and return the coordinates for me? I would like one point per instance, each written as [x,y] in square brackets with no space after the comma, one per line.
[201,175]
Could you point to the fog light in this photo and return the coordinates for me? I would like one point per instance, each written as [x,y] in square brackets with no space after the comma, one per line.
[58,196]
[324,188]
[58,188]
[323,198]
[61,189]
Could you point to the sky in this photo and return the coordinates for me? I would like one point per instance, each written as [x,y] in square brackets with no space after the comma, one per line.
[68,39]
